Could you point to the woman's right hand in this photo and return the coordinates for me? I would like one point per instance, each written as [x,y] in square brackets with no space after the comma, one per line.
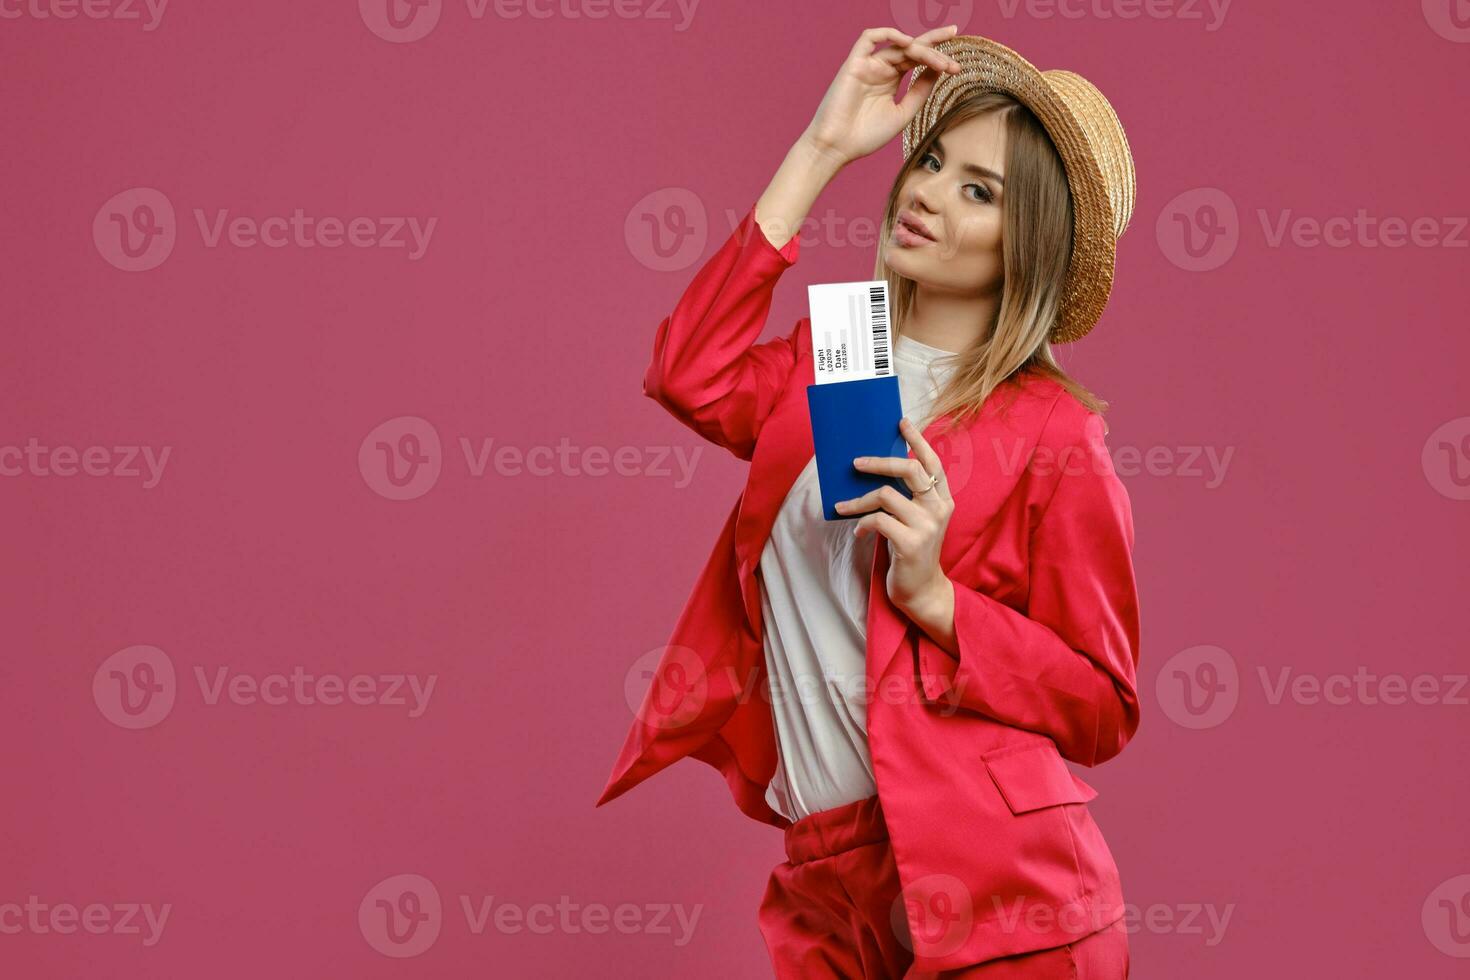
[858,115]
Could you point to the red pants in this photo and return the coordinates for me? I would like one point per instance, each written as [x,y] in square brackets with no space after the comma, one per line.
[831,911]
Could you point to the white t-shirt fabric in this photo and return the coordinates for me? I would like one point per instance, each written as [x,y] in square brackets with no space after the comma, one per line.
[814,606]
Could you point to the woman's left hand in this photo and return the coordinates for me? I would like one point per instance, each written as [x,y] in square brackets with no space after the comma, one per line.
[914,527]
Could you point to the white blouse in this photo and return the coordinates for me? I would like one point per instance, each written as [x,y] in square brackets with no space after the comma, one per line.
[814,607]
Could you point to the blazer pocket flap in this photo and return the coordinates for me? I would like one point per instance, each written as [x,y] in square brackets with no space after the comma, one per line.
[1035,777]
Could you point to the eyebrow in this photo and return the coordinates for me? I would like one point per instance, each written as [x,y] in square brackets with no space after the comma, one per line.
[971,168]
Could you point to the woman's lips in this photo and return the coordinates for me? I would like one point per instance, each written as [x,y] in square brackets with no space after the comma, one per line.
[908,238]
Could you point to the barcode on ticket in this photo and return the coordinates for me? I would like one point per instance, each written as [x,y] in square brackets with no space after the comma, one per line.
[851,339]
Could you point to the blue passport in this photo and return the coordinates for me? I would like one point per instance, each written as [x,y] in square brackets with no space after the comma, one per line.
[854,418]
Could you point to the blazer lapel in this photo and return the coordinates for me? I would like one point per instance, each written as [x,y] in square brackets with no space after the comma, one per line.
[781,453]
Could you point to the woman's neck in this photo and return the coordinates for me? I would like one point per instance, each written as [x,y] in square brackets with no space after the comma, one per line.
[949,321]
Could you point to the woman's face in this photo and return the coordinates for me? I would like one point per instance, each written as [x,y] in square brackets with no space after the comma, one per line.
[955,190]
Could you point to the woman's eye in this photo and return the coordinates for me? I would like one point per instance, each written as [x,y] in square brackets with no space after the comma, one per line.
[983,195]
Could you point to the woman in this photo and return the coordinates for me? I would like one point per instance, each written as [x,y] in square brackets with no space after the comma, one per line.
[922,694]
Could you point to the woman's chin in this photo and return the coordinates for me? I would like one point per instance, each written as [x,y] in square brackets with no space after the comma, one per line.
[902,261]
[896,257]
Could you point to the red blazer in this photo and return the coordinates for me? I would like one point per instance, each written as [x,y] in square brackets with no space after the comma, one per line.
[996,850]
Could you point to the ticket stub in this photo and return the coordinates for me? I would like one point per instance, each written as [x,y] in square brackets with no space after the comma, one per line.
[851,338]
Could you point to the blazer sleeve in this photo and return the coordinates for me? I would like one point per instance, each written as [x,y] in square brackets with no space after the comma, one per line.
[1067,668]
[707,369]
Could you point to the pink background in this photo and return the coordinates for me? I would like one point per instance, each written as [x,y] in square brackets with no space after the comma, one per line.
[1332,835]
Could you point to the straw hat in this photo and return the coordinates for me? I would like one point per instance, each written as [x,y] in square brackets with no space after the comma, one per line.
[1089,139]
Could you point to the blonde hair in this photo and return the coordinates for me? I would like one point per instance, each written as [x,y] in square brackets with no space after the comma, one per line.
[1036,230]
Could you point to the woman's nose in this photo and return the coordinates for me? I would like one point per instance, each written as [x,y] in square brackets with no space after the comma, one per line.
[924,192]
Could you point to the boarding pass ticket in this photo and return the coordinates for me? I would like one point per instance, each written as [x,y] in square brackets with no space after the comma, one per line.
[851,338]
